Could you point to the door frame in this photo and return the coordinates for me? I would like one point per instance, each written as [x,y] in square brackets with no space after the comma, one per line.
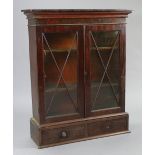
[80,73]
[122,59]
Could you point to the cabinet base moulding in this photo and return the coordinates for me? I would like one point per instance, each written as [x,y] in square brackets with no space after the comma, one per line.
[48,135]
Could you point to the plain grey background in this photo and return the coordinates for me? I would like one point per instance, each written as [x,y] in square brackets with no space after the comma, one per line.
[118,145]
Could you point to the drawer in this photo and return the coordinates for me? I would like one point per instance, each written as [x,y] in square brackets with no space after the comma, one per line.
[107,126]
[62,134]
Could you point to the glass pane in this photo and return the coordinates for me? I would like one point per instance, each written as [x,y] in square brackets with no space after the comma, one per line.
[104,69]
[60,67]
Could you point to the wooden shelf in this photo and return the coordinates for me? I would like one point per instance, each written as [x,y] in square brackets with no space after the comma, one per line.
[59,89]
[74,50]
[103,48]
[60,50]
[73,87]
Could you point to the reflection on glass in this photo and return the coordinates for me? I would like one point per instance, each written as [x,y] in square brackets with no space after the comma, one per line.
[60,67]
[104,69]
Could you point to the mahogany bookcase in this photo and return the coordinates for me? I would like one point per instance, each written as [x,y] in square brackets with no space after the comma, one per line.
[77,61]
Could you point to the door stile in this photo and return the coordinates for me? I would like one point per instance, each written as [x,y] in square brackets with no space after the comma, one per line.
[122,66]
[87,74]
[80,85]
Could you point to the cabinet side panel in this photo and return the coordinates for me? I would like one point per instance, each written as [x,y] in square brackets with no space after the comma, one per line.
[122,67]
[33,70]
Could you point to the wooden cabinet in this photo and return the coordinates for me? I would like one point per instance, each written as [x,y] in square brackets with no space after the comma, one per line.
[77,60]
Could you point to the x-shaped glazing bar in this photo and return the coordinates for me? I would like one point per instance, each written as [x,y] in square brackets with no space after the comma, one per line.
[60,71]
[105,68]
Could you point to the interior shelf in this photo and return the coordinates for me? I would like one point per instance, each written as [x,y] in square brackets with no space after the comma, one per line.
[103,48]
[60,50]
[74,50]
[51,88]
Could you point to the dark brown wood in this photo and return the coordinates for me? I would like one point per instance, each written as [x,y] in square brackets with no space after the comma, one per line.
[61,134]
[34,70]
[122,67]
[88,128]
[106,27]
[80,89]
[39,14]
[85,123]
[105,126]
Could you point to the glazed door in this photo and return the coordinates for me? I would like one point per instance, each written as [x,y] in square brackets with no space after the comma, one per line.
[104,69]
[63,75]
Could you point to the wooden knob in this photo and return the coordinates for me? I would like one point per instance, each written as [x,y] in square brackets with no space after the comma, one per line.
[107,127]
[85,73]
[63,134]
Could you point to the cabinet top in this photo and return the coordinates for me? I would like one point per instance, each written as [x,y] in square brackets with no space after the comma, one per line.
[78,10]
[86,13]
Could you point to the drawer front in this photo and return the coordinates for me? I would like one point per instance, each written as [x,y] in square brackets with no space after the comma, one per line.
[107,126]
[62,134]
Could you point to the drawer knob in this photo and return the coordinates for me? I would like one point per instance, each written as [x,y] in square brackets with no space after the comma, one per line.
[107,127]
[63,134]
[85,73]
